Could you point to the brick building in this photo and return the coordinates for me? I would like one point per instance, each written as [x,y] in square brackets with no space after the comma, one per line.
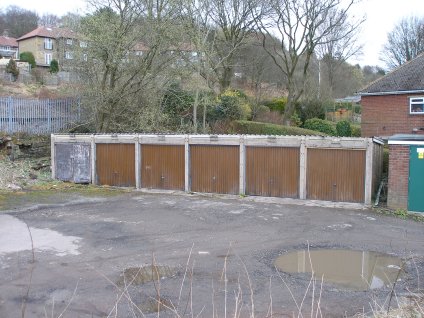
[394,104]
[406,172]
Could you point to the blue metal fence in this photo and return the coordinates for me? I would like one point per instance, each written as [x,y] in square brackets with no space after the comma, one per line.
[38,116]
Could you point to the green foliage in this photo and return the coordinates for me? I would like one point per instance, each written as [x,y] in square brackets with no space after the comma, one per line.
[309,109]
[321,125]
[54,66]
[12,68]
[277,104]
[257,128]
[231,105]
[343,129]
[356,130]
[402,213]
[27,57]
[295,120]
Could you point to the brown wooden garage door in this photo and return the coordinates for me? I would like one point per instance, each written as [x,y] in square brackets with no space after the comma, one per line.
[215,169]
[115,164]
[336,175]
[272,171]
[162,167]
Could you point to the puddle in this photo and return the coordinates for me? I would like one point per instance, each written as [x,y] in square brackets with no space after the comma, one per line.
[14,237]
[354,270]
[144,274]
[155,305]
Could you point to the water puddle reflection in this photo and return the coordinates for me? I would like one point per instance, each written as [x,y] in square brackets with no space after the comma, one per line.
[14,237]
[354,270]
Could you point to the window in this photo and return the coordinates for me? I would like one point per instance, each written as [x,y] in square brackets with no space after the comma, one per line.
[47,58]
[68,55]
[416,105]
[48,44]
[69,41]
[83,44]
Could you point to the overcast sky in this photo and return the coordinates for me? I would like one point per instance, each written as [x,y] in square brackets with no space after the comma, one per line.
[381,15]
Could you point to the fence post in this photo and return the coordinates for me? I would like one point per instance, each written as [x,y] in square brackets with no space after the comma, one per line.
[242,172]
[302,167]
[10,114]
[49,115]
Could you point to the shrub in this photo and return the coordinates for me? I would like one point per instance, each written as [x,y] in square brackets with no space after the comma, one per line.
[277,104]
[12,68]
[256,128]
[28,57]
[242,100]
[311,109]
[54,66]
[343,129]
[321,125]
[356,130]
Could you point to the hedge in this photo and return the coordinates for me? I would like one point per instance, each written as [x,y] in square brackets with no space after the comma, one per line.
[321,125]
[257,128]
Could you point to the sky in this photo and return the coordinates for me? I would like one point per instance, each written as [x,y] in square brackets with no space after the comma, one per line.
[381,17]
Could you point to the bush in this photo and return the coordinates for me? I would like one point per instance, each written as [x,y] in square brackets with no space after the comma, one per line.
[231,105]
[343,129]
[256,128]
[54,66]
[311,109]
[12,68]
[277,104]
[28,57]
[356,130]
[321,125]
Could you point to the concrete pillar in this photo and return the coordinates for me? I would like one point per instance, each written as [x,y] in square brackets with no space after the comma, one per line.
[53,156]
[242,181]
[368,171]
[187,185]
[137,162]
[93,160]
[302,168]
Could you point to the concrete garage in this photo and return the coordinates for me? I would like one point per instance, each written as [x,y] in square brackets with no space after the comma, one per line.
[94,255]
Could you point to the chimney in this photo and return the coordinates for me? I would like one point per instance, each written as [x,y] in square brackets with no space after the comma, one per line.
[6,33]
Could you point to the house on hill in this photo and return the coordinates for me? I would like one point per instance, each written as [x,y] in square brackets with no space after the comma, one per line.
[8,46]
[394,104]
[48,43]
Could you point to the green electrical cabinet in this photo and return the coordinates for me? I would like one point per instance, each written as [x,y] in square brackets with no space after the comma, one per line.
[416,179]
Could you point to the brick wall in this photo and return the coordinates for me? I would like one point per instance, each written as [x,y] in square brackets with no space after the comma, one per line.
[398,177]
[388,115]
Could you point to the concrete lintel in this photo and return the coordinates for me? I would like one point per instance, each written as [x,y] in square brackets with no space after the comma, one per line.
[337,143]
[219,140]
[162,139]
[115,139]
[273,142]
[70,138]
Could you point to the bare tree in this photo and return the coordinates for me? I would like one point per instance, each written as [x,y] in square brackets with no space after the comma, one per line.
[17,21]
[224,27]
[338,46]
[404,42]
[301,26]
[126,61]
[49,20]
